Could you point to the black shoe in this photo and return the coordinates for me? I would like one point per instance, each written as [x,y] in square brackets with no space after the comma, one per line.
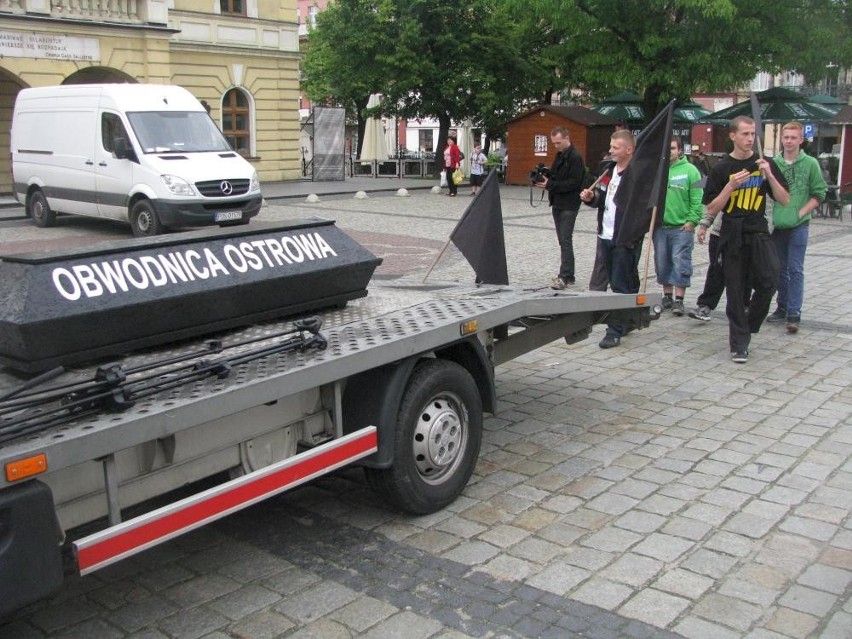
[610,341]
[779,315]
[701,313]
[677,308]
[668,302]
[739,357]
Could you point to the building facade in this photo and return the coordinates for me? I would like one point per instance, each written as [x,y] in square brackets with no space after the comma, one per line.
[239,57]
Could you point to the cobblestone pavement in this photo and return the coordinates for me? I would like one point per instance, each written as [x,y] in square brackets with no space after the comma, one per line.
[653,490]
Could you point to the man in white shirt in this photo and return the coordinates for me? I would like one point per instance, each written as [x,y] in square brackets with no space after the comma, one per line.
[621,261]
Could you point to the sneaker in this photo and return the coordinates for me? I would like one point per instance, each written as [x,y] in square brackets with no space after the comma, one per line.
[668,302]
[779,315]
[739,357]
[677,308]
[701,313]
[793,324]
[557,283]
[610,341]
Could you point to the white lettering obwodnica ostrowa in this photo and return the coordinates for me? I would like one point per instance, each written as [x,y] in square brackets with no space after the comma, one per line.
[141,272]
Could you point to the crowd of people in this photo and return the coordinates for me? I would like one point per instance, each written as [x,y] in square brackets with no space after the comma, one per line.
[755,250]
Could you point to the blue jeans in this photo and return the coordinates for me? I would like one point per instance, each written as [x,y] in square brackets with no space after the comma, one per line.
[622,265]
[673,256]
[790,244]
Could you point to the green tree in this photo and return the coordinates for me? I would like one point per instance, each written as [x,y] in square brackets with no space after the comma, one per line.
[668,49]
[340,65]
[443,59]
[429,69]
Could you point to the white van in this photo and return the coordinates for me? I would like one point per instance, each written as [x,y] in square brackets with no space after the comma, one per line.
[148,154]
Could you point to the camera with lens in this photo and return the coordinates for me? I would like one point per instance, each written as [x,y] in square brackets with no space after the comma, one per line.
[539,174]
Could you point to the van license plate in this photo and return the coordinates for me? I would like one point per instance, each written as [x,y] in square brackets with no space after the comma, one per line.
[224,216]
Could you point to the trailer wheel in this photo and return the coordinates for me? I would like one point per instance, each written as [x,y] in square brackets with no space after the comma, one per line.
[143,219]
[436,445]
[39,210]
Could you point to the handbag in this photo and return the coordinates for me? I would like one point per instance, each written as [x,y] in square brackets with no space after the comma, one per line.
[458,177]
[443,178]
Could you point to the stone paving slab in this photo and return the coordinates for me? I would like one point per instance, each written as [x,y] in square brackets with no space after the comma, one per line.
[656,490]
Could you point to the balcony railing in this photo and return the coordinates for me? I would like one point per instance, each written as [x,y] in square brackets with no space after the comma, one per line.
[121,11]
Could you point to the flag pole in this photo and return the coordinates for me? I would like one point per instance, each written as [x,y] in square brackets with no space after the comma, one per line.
[648,250]
[440,255]
[758,123]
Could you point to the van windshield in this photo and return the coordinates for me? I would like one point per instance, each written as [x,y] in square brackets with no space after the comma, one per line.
[177,132]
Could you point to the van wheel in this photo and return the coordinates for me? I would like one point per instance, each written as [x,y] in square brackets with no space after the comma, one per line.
[436,441]
[39,210]
[144,220]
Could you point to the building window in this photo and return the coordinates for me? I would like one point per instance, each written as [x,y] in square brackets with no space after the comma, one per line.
[313,11]
[236,121]
[233,6]
[425,140]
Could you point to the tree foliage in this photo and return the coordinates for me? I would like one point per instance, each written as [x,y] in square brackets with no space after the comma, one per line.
[339,68]
[666,49]
[487,60]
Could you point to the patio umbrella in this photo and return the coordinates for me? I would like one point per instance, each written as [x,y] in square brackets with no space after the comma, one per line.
[625,107]
[822,98]
[828,101]
[776,105]
[374,147]
[465,142]
[690,112]
[390,125]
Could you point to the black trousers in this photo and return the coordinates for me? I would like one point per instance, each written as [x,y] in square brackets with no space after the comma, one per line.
[454,188]
[599,280]
[714,282]
[564,220]
[749,263]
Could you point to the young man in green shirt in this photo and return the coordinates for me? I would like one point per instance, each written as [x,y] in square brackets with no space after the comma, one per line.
[674,240]
[807,189]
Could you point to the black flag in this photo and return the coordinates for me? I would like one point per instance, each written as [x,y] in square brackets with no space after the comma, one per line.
[643,185]
[479,234]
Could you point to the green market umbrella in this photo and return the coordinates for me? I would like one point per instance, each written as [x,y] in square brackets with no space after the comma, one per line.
[822,98]
[690,112]
[828,101]
[625,107]
[776,105]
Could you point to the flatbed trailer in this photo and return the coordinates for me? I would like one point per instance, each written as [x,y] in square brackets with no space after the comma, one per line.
[400,389]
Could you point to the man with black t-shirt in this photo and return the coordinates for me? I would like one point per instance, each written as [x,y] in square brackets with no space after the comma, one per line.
[737,188]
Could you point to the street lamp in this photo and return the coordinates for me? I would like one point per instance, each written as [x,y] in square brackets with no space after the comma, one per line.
[830,89]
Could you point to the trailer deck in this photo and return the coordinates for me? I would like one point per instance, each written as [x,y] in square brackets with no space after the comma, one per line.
[397,319]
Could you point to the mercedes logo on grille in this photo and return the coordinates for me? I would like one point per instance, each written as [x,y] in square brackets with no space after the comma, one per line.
[226,187]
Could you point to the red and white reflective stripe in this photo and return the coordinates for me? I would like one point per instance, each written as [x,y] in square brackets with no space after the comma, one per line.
[135,535]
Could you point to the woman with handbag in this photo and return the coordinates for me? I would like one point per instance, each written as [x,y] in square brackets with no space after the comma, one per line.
[452,161]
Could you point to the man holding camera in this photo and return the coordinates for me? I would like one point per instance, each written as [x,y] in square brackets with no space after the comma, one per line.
[563,187]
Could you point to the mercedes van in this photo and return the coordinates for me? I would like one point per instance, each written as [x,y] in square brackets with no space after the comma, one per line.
[146,154]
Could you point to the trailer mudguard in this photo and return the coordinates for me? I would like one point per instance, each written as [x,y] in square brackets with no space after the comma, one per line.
[373,397]
[30,545]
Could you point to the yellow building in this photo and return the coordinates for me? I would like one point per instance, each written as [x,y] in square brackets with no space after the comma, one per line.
[240,57]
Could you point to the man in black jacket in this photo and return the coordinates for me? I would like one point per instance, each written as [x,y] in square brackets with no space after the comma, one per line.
[563,192]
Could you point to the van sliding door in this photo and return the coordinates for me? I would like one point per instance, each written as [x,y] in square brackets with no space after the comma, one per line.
[113,176]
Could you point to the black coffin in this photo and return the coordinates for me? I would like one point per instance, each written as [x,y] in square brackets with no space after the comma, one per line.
[107,300]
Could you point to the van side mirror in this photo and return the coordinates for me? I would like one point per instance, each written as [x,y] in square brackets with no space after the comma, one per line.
[122,150]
